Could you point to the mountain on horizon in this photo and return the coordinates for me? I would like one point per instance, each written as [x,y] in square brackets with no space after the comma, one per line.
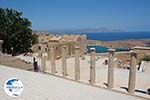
[85,30]
[96,30]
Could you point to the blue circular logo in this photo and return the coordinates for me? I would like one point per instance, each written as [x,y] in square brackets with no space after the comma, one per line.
[13,87]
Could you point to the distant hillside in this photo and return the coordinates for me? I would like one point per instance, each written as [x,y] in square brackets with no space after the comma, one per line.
[85,30]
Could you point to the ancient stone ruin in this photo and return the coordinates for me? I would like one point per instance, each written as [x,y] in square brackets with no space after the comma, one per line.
[92,77]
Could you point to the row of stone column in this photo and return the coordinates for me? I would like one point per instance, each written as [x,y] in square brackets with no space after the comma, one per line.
[51,57]
[110,79]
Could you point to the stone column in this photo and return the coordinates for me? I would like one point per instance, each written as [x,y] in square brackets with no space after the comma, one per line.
[110,80]
[48,54]
[43,63]
[132,74]
[40,54]
[77,63]
[64,60]
[92,66]
[52,59]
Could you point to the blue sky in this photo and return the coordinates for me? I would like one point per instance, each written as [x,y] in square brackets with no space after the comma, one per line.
[130,15]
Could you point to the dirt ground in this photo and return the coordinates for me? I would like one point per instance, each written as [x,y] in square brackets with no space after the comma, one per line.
[8,60]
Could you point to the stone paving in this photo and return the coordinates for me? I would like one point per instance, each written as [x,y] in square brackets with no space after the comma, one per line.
[39,86]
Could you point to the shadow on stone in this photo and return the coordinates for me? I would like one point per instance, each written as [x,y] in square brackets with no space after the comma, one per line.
[106,84]
[141,91]
[137,90]
[124,88]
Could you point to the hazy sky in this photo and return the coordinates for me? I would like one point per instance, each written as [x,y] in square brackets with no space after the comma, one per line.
[131,15]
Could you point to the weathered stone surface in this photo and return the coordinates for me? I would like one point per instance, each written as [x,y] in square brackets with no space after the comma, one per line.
[111,68]
[64,60]
[132,74]
[77,64]
[92,66]
[47,87]
[52,59]
[43,63]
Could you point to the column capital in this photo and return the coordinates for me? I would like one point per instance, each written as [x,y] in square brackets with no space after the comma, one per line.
[133,52]
[92,49]
[111,50]
[77,47]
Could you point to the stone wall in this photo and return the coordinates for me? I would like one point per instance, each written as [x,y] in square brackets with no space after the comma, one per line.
[40,47]
[141,52]
[57,42]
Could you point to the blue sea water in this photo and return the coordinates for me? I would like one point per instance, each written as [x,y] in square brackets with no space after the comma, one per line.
[101,49]
[113,36]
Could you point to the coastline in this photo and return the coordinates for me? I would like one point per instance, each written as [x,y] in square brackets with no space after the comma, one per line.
[124,44]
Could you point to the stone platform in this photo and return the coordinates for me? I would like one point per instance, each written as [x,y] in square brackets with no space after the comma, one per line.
[47,87]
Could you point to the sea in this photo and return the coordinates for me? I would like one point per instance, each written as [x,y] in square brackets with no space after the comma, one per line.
[114,36]
[102,49]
